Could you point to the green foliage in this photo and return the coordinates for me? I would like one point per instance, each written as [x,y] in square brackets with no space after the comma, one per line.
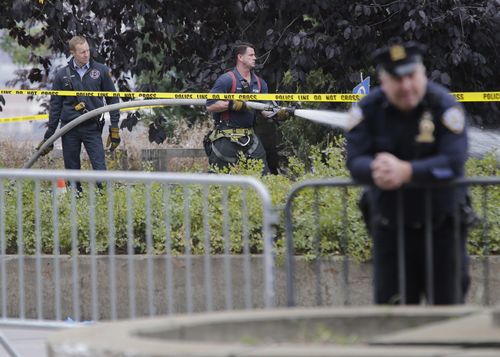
[21,55]
[337,229]
[299,136]
[190,46]
[484,238]
[178,204]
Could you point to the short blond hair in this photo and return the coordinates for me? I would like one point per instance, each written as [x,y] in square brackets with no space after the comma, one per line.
[76,40]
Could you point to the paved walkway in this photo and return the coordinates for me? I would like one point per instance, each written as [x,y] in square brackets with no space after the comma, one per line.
[26,342]
[25,338]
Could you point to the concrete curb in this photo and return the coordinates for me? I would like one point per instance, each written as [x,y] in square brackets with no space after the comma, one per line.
[273,333]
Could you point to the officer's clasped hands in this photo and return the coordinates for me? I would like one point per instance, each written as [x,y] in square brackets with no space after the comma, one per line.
[389,172]
[113,138]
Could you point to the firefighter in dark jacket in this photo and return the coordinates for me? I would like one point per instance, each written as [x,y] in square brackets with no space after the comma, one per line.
[411,131]
[234,122]
[82,74]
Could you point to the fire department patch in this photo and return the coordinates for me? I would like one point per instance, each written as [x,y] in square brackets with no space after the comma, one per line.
[454,119]
[355,117]
[94,74]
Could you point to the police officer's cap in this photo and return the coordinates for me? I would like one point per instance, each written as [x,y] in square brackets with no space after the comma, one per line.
[399,59]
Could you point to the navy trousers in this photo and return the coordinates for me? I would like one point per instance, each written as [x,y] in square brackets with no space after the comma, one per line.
[446,272]
[89,135]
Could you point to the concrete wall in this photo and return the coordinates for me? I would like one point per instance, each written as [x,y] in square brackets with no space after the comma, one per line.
[160,158]
[332,289]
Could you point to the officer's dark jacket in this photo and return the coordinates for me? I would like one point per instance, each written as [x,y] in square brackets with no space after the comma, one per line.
[96,78]
[383,128]
[231,118]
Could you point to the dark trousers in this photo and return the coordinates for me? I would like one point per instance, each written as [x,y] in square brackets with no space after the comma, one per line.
[224,152]
[445,273]
[267,131]
[89,135]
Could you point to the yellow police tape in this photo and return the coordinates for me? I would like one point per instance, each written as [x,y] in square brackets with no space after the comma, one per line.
[46,116]
[24,118]
[311,97]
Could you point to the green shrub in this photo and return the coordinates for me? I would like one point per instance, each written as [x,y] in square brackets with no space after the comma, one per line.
[485,237]
[339,230]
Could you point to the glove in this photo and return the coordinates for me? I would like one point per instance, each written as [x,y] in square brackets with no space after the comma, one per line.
[237,105]
[113,138]
[48,134]
[283,114]
[46,150]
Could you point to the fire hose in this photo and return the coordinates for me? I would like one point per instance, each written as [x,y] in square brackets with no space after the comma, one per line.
[331,118]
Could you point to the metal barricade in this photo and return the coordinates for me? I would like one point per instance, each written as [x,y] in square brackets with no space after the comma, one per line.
[337,200]
[112,245]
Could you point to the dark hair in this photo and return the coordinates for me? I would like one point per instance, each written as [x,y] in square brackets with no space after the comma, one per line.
[240,49]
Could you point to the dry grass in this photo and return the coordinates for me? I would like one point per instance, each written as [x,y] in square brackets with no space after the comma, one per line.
[184,137]
[13,153]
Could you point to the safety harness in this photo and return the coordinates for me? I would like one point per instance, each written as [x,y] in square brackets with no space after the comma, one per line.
[240,136]
[233,134]
[245,89]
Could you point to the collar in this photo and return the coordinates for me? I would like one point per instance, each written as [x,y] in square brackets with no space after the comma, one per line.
[85,66]
[239,76]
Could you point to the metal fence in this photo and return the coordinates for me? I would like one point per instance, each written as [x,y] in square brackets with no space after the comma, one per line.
[144,244]
[325,215]
[109,245]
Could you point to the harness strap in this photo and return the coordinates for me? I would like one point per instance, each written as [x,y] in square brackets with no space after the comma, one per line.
[232,134]
[233,81]
[259,82]
[225,158]
[225,115]
[233,160]
[253,147]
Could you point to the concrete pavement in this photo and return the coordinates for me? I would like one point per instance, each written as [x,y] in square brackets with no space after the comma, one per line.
[28,338]
[26,342]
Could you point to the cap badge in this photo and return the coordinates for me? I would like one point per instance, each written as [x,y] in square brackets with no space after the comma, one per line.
[397,52]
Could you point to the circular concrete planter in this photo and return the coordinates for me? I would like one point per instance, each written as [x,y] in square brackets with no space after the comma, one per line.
[355,331]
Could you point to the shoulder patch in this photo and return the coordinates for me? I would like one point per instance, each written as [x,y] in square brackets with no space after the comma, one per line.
[94,74]
[355,116]
[454,119]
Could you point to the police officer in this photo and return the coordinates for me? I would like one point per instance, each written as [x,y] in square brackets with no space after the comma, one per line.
[411,131]
[234,122]
[82,74]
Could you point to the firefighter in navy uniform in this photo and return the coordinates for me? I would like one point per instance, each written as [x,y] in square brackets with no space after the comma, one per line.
[234,122]
[82,74]
[410,130]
